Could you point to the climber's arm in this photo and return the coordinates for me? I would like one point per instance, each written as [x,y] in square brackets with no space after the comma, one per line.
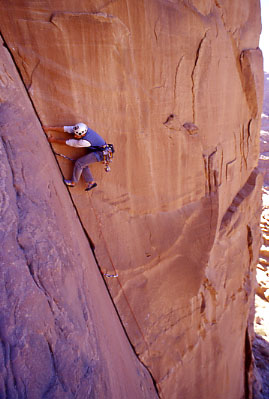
[59,129]
[72,143]
[78,143]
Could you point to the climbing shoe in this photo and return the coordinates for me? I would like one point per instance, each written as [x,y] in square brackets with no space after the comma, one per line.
[90,186]
[69,183]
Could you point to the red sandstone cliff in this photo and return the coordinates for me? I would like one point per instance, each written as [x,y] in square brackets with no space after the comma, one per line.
[60,335]
[177,87]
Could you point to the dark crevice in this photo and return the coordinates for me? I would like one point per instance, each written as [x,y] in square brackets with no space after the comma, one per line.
[175,80]
[193,72]
[250,242]
[248,364]
[169,118]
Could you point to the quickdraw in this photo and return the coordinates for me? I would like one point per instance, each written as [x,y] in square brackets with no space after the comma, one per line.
[110,275]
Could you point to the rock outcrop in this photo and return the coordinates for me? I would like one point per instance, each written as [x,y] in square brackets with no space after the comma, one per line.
[177,87]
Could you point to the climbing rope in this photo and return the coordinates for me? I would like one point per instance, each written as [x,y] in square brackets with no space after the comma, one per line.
[64,156]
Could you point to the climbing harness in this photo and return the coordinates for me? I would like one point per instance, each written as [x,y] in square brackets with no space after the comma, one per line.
[108,151]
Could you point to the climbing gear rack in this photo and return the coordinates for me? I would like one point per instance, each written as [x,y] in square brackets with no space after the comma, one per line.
[108,151]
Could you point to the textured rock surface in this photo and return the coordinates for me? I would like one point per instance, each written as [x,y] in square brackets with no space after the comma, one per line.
[60,335]
[177,87]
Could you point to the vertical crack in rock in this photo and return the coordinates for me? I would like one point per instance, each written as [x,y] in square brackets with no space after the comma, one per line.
[193,74]
[55,377]
[249,243]
[247,278]
[212,172]
[175,80]
[213,164]
[156,25]
[248,364]
[245,141]
[249,134]
[242,148]
[32,74]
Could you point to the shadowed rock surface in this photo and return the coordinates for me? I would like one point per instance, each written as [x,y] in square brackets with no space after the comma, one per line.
[177,87]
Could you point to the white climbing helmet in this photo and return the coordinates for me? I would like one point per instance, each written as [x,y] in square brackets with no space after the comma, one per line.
[80,129]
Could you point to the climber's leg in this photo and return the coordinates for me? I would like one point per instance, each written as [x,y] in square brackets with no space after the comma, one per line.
[81,166]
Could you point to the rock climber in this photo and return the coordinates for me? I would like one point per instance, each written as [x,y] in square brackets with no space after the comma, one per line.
[83,137]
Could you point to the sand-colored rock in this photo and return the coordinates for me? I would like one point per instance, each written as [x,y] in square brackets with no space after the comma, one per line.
[60,335]
[177,87]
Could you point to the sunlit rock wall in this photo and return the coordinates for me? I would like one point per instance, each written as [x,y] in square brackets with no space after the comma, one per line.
[177,87]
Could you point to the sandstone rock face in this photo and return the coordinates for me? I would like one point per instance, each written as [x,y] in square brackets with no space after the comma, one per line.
[177,87]
[60,335]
